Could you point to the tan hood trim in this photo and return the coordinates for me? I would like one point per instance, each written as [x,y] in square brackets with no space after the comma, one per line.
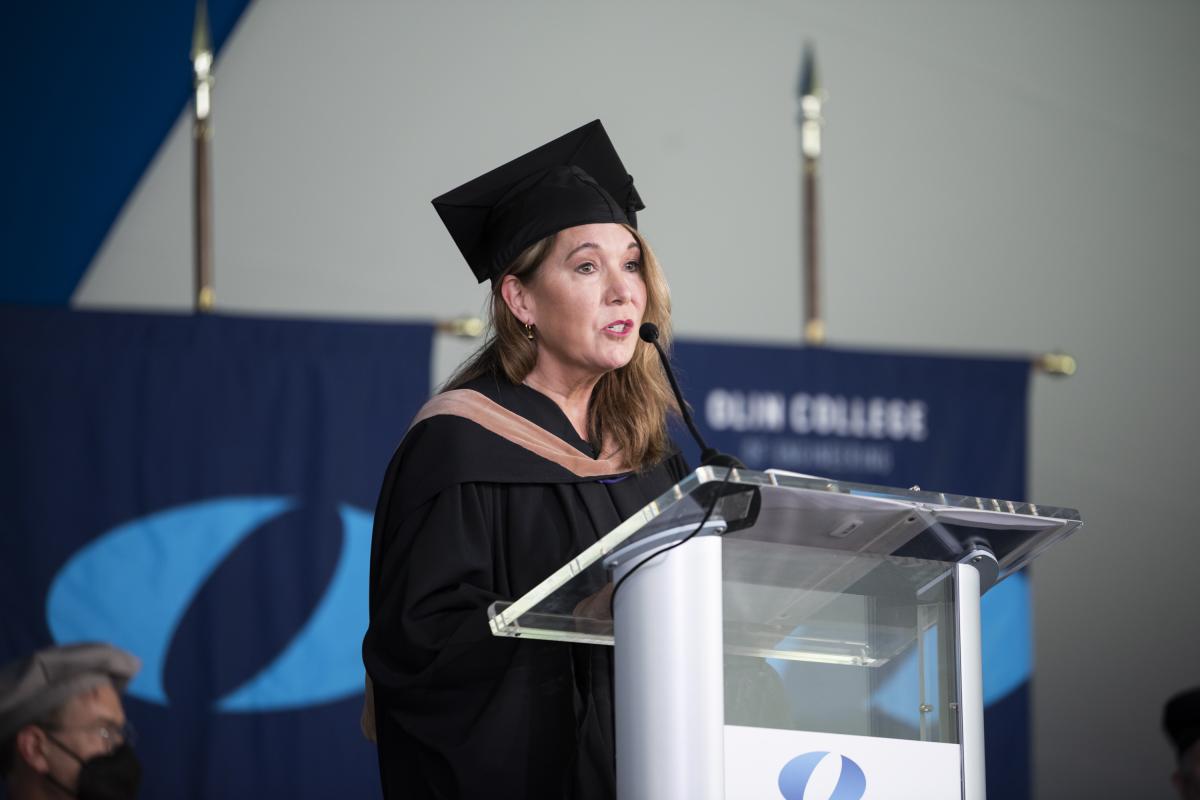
[472,405]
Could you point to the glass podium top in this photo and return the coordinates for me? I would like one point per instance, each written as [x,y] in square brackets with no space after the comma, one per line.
[813,569]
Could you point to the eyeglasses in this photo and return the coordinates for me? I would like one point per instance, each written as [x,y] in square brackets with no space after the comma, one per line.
[113,736]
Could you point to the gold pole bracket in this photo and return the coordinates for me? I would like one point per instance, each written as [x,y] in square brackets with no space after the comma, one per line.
[462,327]
[1060,365]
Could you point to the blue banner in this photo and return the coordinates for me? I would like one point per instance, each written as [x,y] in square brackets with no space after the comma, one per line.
[948,424]
[199,490]
[944,423]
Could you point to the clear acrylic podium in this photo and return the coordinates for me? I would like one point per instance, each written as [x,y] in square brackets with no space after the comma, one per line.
[776,632]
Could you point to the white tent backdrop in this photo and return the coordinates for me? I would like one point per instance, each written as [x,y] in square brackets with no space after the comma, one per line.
[998,177]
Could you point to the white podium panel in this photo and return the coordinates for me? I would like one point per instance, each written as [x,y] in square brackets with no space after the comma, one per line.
[765,764]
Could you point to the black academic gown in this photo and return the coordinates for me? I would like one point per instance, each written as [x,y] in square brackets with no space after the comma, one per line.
[466,517]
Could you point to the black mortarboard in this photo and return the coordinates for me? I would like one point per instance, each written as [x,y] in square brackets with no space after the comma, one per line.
[1181,719]
[577,179]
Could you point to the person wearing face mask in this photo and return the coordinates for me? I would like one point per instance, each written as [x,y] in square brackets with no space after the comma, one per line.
[63,731]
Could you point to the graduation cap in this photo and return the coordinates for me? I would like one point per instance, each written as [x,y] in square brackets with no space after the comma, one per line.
[577,179]
[1181,720]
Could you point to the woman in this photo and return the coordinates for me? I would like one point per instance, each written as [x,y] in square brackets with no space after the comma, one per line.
[547,439]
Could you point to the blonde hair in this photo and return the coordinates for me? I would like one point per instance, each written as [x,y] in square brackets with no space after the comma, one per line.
[629,405]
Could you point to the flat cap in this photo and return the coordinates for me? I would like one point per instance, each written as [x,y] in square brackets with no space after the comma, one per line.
[1181,719]
[34,686]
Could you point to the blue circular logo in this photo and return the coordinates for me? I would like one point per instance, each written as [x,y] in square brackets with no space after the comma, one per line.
[795,775]
[134,584]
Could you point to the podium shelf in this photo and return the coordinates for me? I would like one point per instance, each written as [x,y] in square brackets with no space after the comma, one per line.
[806,562]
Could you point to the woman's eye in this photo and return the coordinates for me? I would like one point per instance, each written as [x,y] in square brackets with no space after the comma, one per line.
[586,267]
[633,266]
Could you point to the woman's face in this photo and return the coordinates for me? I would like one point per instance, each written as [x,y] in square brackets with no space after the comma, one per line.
[586,302]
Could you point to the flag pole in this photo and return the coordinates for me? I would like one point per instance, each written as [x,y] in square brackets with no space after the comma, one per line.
[811,97]
[202,63]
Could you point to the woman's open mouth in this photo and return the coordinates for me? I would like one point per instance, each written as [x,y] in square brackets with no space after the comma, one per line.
[621,327]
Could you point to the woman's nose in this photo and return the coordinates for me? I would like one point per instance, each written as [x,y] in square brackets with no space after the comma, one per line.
[620,290]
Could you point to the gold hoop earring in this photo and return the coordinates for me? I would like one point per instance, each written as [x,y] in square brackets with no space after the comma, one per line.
[529,331]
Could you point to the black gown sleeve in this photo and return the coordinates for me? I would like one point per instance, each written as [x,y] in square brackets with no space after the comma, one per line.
[435,578]
[459,712]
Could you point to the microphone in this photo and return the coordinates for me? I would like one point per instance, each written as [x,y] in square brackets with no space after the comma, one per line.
[709,457]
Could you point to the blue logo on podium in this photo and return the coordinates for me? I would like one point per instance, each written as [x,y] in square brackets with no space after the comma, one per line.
[795,775]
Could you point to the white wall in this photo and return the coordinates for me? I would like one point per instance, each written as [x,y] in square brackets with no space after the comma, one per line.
[999,177]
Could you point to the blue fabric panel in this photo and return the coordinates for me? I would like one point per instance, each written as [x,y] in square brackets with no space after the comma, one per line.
[200,490]
[947,423]
[91,90]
